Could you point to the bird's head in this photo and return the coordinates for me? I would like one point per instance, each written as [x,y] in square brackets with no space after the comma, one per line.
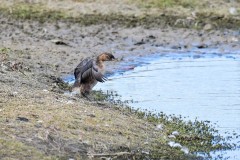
[106,57]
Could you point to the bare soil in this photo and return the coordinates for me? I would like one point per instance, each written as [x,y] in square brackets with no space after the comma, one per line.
[39,122]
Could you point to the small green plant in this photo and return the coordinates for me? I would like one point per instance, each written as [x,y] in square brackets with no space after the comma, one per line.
[4,53]
[167,3]
[5,50]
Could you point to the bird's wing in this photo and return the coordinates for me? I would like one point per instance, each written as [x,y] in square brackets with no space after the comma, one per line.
[98,75]
[87,69]
[91,71]
[81,67]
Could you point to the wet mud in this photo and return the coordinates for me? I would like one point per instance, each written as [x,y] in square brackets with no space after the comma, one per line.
[35,55]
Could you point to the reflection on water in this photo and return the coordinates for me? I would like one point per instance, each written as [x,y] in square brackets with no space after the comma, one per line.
[206,86]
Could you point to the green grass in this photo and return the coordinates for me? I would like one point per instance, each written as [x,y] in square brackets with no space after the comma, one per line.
[155,13]
[29,11]
[167,3]
[197,136]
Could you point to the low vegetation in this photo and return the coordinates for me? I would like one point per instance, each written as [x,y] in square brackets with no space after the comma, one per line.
[168,3]
[40,119]
[151,13]
[62,128]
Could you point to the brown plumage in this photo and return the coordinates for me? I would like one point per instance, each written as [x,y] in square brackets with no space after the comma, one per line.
[90,71]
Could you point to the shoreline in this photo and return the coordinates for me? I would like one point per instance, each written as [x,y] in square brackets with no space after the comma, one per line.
[39,121]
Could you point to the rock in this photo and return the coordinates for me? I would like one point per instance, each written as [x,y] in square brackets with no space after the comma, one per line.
[38,125]
[175,47]
[39,121]
[185,150]
[59,42]
[234,39]
[159,127]
[208,27]
[15,93]
[23,119]
[69,102]
[233,11]
[146,152]
[140,43]
[151,37]
[91,115]
[45,90]
[172,136]
[175,133]
[174,144]
[200,46]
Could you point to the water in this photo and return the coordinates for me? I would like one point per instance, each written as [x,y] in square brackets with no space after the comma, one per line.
[198,84]
[203,86]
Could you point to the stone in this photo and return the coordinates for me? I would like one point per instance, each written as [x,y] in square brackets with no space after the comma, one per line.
[208,27]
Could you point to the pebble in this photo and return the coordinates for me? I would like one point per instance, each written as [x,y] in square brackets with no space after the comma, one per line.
[234,39]
[159,127]
[233,11]
[175,133]
[208,27]
[44,90]
[185,150]
[39,121]
[69,102]
[171,136]
[22,119]
[174,144]
[91,115]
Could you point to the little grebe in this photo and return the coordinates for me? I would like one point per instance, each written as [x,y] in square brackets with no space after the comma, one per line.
[90,71]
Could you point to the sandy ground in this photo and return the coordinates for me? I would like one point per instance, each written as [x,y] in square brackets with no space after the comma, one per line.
[35,112]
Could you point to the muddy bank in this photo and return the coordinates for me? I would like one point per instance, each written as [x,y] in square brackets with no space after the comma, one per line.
[57,47]
[39,121]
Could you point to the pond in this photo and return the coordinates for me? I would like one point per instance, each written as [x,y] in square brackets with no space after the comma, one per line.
[203,85]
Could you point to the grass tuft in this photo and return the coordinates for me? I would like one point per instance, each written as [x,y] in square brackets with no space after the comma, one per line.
[167,3]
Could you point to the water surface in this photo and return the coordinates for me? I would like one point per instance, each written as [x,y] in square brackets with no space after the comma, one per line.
[204,86]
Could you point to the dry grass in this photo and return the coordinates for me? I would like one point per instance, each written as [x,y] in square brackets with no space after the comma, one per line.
[151,13]
[60,126]
[35,119]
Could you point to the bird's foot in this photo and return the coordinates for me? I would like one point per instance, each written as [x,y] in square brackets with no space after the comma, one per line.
[84,95]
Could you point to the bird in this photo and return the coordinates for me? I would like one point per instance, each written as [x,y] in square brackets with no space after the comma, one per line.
[89,72]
